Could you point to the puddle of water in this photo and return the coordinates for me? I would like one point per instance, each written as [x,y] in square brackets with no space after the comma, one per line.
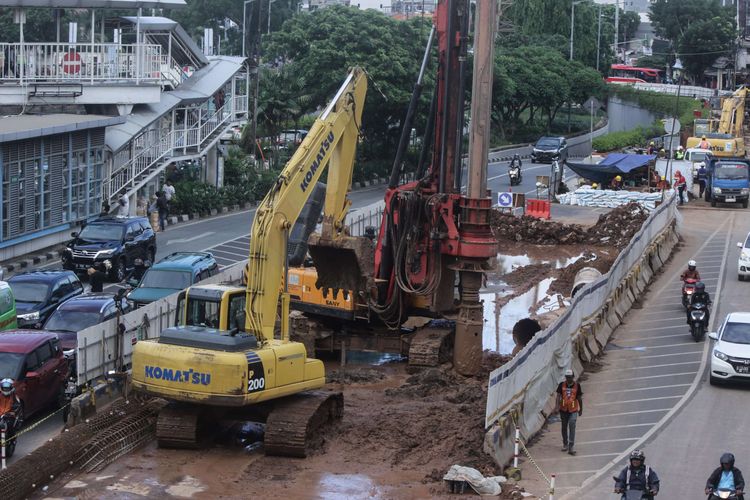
[186,488]
[507,263]
[372,358]
[346,486]
[499,321]
[552,303]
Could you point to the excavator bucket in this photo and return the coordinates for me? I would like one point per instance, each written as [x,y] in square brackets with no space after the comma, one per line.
[345,262]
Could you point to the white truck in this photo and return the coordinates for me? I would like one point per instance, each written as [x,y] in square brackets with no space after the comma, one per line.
[696,156]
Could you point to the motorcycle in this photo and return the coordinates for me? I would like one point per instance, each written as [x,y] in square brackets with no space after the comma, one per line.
[688,289]
[723,494]
[514,174]
[8,424]
[698,315]
[629,494]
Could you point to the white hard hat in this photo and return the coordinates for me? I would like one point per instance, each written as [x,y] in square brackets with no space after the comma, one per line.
[568,373]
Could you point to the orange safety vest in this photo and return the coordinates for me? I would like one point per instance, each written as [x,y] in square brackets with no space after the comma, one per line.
[6,403]
[569,397]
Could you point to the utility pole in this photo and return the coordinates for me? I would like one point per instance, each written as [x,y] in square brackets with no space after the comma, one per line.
[617,29]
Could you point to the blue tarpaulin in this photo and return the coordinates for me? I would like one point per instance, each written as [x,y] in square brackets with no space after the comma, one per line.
[614,164]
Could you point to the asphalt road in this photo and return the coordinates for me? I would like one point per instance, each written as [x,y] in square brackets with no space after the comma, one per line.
[686,447]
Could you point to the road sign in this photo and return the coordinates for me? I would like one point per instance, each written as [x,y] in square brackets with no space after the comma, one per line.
[592,103]
[669,123]
[505,200]
[71,62]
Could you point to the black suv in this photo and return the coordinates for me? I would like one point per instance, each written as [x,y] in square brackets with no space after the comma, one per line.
[38,293]
[119,240]
[549,149]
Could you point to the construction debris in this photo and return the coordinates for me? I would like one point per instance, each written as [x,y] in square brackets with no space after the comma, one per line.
[587,197]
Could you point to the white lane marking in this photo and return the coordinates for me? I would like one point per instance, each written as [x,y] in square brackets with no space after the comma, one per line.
[610,403]
[646,348]
[235,246]
[612,427]
[607,441]
[619,380]
[219,250]
[568,474]
[570,457]
[696,379]
[648,368]
[192,238]
[668,355]
[641,339]
[636,321]
[622,414]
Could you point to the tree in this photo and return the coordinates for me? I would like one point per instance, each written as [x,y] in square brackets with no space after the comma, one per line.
[628,25]
[701,30]
[703,42]
[321,46]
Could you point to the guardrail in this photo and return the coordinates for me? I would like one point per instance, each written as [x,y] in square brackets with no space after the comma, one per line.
[79,62]
[107,346]
[530,377]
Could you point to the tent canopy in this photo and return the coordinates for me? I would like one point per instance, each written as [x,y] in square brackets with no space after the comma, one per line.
[614,164]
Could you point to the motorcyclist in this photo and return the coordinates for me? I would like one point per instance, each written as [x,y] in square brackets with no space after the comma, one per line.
[726,476]
[691,272]
[10,404]
[699,296]
[516,161]
[638,476]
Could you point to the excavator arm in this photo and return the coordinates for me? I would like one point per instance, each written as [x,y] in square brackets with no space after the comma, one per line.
[331,142]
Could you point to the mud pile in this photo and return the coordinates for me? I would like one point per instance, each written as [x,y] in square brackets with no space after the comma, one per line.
[615,228]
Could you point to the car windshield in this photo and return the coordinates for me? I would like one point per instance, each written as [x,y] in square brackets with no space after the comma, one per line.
[731,171]
[29,292]
[102,232]
[698,156]
[71,321]
[736,333]
[156,278]
[10,365]
[747,241]
[548,143]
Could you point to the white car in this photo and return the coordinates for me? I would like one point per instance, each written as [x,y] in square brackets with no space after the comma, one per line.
[743,263]
[730,356]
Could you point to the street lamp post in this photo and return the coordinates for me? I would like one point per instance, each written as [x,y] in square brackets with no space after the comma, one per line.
[572,24]
[244,23]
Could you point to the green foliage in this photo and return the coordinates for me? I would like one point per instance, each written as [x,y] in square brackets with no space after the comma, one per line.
[618,140]
[700,30]
[321,46]
[534,82]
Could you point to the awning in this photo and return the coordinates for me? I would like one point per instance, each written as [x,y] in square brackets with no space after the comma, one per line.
[614,164]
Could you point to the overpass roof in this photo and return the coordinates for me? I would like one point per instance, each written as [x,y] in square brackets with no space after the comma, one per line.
[16,128]
[95,4]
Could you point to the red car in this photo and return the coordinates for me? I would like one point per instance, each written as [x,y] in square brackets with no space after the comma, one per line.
[35,361]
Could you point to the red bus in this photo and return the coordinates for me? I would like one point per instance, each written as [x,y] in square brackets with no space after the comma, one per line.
[622,73]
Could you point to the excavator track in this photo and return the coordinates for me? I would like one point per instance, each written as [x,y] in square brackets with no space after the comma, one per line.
[179,426]
[293,426]
[430,346]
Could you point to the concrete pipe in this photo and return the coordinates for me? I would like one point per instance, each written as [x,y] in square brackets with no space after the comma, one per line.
[583,277]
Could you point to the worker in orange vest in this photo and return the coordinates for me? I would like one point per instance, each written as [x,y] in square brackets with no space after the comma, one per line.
[570,405]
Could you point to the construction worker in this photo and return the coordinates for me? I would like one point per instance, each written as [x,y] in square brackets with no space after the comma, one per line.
[651,148]
[704,144]
[570,405]
[680,183]
[616,183]
[702,178]
[663,184]
[595,186]
[679,154]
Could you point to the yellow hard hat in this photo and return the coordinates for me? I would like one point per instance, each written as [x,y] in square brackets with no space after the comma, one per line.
[663,177]
[651,143]
[595,185]
[618,178]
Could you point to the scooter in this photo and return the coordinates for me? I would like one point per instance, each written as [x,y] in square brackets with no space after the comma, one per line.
[8,423]
[722,494]
[688,289]
[514,174]
[698,315]
[629,494]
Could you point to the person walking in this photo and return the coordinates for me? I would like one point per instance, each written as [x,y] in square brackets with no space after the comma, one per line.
[123,206]
[570,404]
[680,183]
[702,178]
[96,278]
[162,205]
[168,190]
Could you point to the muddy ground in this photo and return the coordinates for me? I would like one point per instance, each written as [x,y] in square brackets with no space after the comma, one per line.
[402,428]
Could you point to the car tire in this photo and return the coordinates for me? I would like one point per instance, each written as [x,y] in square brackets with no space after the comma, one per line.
[118,271]
[740,277]
[533,160]
[713,202]
[744,203]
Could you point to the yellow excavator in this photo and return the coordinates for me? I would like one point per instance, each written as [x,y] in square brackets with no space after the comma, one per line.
[725,135]
[226,355]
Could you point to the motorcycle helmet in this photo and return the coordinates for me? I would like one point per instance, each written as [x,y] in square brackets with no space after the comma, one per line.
[727,458]
[7,387]
[637,455]
[516,156]
[700,287]
[691,265]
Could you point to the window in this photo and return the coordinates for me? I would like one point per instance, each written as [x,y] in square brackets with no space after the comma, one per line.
[75,284]
[203,275]
[32,362]
[130,234]
[136,229]
[203,313]
[144,225]
[158,278]
[44,352]
[237,312]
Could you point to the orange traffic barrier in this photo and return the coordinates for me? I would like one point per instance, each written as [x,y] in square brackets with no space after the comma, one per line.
[538,208]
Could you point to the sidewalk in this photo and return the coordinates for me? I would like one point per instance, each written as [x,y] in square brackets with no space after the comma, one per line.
[648,367]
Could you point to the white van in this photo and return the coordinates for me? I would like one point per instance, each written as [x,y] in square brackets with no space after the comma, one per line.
[697,156]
